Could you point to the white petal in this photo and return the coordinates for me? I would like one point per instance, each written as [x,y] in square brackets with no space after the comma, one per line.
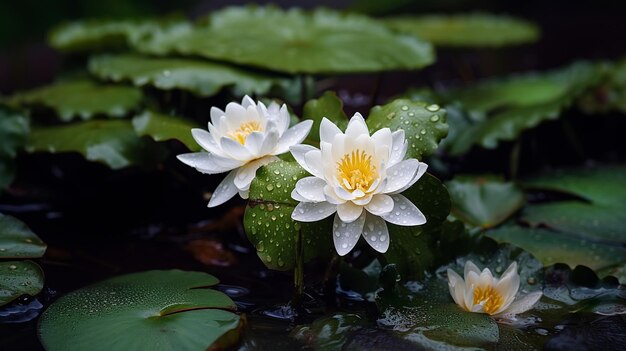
[383,137]
[457,288]
[296,196]
[269,143]
[225,191]
[253,142]
[399,147]
[293,136]
[362,201]
[328,130]
[313,211]
[283,118]
[298,152]
[246,173]
[401,174]
[244,194]
[356,127]
[522,305]
[331,197]
[247,102]
[404,212]
[349,212]
[235,115]
[375,233]
[206,141]
[216,114]
[420,172]
[314,163]
[470,267]
[208,163]
[380,204]
[234,149]
[469,296]
[346,235]
[511,270]
[311,188]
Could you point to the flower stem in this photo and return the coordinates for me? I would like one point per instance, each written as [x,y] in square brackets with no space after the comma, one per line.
[298,272]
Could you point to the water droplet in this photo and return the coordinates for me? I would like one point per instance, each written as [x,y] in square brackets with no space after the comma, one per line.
[167,73]
[405,108]
[12,267]
[433,108]
[434,118]
[260,247]
[269,187]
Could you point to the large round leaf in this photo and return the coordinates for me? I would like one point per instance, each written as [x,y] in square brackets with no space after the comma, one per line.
[154,310]
[294,41]
[83,99]
[504,108]
[202,78]
[162,127]
[268,222]
[424,125]
[17,240]
[19,278]
[112,142]
[467,30]
[13,131]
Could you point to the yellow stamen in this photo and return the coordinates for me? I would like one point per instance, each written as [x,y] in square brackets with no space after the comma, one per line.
[489,297]
[244,130]
[356,171]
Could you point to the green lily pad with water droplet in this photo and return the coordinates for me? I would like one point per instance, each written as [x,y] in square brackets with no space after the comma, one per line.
[112,142]
[424,124]
[504,108]
[19,278]
[13,131]
[484,202]
[202,78]
[161,127]
[17,240]
[328,105]
[294,41]
[268,222]
[467,30]
[154,310]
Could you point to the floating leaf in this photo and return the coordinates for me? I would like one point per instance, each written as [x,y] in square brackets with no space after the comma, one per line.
[17,240]
[484,202]
[13,131]
[467,30]
[19,278]
[504,108]
[112,142]
[294,41]
[329,106]
[268,222]
[203,78]
[162,127]
[424,125]
[156,310]
[83,99]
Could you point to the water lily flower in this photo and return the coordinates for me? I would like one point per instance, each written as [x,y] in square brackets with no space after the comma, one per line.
[241,140]
[481,292]
[359,177]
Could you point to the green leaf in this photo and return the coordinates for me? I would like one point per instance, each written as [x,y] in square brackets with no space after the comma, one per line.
[554,247]
[203,78]
[329,106]
[412,249]
[84,99]
[19,278]
[13,131]
[17,240]
[268,222]
[484,202]
[112,142]
[504,108]
[424,126]
[162,127]
[155,310]
[294,41]
[467,30]
[610,94]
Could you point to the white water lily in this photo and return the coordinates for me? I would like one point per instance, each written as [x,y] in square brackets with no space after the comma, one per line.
[241,140]
[360,177]
[481,292]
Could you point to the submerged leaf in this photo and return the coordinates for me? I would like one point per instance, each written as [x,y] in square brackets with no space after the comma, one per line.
[294,41]
[156,310]
[467,30]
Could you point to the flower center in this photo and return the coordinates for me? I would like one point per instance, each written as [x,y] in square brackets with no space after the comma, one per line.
[244,130]
[489,298]
[356,171]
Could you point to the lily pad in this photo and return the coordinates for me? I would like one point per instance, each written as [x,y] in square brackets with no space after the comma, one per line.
[156,310]
[484,202]
[504,108]
[467,30]
[424,125]
[17,240]
[294,41]
[84,99]
[268,222]
[13,131]
[162,127]
[112,142]
[203,78]
[19,278]
[329,106]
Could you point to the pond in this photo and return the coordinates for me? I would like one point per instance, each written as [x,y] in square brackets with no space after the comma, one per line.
[340,181]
